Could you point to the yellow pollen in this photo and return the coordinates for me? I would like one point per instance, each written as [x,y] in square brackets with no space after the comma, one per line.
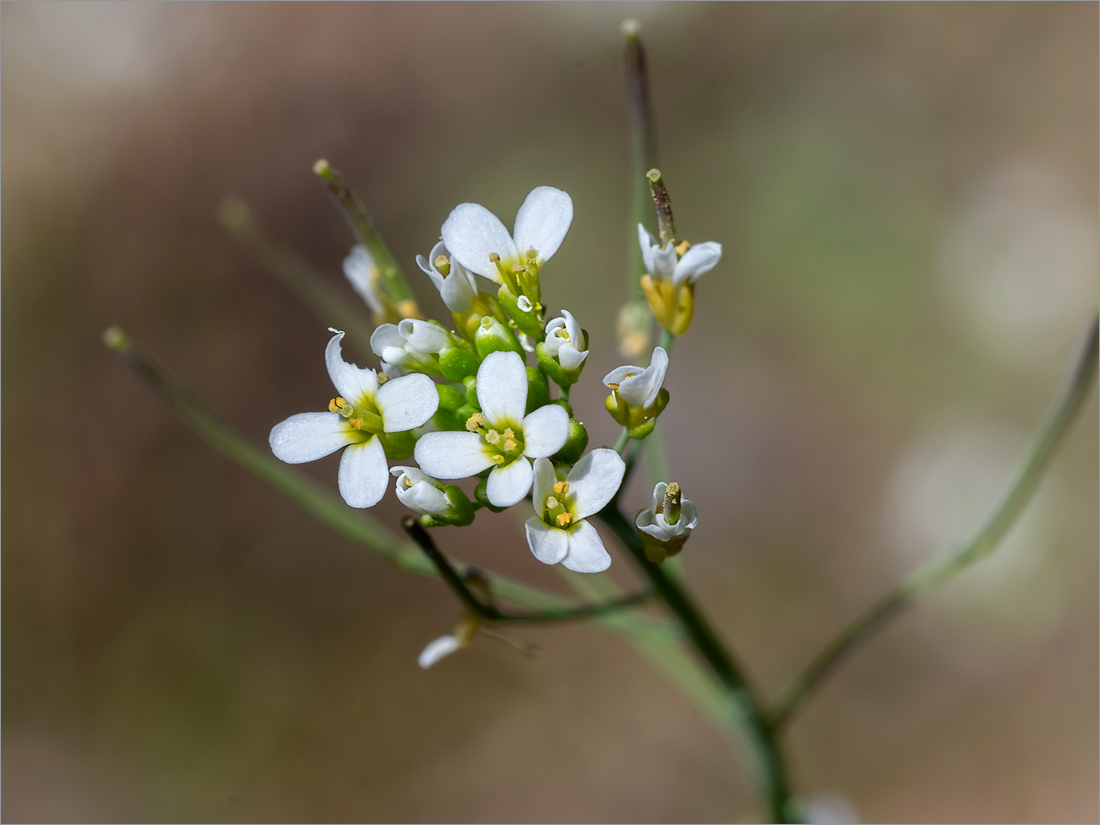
[498,458]
[564,519]
[493,437]
[494,257]
[474,421]
[335,404]
[551,502]
[561,488]
[682,247]
[508,433]
[356,422]
[613,387]
[442,261]
[509,445]
[518,268]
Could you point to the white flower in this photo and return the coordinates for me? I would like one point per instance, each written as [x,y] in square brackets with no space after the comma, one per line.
[665,264]
[653,522]
[361,271]
[410,345]
[438,649]
[474,235]
[564,340]
[361,411]
[639,386]
[418,491]
[499,436]
[558,532]
[457,286]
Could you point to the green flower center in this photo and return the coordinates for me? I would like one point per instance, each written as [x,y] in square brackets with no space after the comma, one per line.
[364,416]
[505,442]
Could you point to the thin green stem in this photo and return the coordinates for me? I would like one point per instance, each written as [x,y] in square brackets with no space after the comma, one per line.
[939,570]
[745,705]
[655,450]
[643,141]
[622,441]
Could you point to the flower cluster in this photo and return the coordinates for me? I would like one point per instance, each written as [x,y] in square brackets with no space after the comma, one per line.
[463,401]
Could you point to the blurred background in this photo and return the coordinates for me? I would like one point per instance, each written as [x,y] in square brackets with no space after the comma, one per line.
[907,198]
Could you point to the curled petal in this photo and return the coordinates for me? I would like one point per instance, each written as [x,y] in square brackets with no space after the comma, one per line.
[549,544]
[508,485]
[594,480]
[698,260]
[423,336]
[543,220]
[545,431]
[586,551]
[437,649]
[351,382]
[502,388]
[453,454]
[473,233]
[417,491]
[363,474]
[309,436]
[406,402]
[660,263]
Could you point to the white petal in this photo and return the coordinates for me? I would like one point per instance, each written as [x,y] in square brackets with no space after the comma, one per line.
[648,244]
[458,290]
[549,544]
[576,334]
[473,233]
[621,374]
[660,263]
[545,431]
[357,269]
[543,220]
[545,479]
[586,551]
[641,389]
[424,336]
[436,650]
[594,480]
[698,260]
[363,474]
[452,454]
[351,382]
[689,514]
[508,485]
[309,436]
[502,388]
[570,358]
[417,492]
[406,402]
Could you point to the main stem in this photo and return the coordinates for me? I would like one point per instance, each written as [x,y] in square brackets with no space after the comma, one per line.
[746,705]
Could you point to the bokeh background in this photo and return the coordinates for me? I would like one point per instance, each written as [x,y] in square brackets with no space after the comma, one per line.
[907,197]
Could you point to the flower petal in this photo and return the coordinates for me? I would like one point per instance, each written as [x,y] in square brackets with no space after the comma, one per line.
[437,649]
[473,233]
[424,335]
[417,491]
[698,260]
[309,436]
[502,388]
[569,357]
[452,454]
[594,480]
[545,431]
[545,478]
[406,402]
[641,389]
[508,485]
[351,382]
[543,220]
[586,551]
[357,269]
[549,544]
[660,263]
[363,474]
[458,290]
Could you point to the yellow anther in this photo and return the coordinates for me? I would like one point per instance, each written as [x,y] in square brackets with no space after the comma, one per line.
[442,262]
[509,433]
[356,422]
[517,267]
[498,458]
[474,421]
[509,445]
[682,247]
[493,437]
[613,387]
[551,502]
[561,488]
[564,519]
[335,404]
[494,257]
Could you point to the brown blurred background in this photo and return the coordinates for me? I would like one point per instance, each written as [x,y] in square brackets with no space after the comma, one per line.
[907,196]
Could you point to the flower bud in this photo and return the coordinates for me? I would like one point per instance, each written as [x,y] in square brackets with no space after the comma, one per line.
[437,503]
[637,397]
[493,336]
[574,445]
[449,397]
[538,390]
[526,313]
[457,362]
[563,352]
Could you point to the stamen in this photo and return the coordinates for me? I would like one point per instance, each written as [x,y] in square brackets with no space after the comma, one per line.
[443,264]
[682,247]
[552,503]
[509,445]
[561,488]
[518,267]
[509,433]
[532,254]
[336,404]
[494,258]
[564,519]
[493,437]
[356,422]
[475,421]
[498,458]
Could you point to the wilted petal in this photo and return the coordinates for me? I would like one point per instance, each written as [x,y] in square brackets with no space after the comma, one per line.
[543,220]
[594,480]
[586,552]
[508,485]
[437,649]
[351,382]
[406,402]
[545,431]
[363,474]
[698,260]
[549,544]
[502,388]
[473,233]
[309,436]
[453,454]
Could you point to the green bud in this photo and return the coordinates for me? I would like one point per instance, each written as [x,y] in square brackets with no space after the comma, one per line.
[493,336]
[398,446]
[449,397]
[463,413]
[457,362]
[470,382]
[482,496]
[530,322]
[574,445]
[462,511]
[639,421]
[538,390]
[553,368]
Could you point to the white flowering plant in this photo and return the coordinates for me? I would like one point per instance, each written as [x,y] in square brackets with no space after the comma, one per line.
[470,415]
